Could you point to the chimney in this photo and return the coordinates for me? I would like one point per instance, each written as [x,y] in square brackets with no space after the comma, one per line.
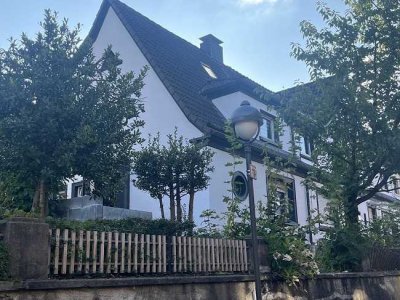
[211,46]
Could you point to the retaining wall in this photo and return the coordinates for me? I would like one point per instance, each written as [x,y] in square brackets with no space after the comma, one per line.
[357,286]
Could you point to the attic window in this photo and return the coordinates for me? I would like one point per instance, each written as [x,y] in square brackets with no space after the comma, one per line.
[209,71]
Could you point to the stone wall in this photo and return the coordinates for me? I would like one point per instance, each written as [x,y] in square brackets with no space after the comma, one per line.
[85,208]
[357,286]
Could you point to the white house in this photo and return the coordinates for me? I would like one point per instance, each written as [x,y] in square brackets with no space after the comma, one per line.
[190,88]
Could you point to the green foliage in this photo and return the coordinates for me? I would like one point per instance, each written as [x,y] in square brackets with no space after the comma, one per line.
[64,112]
[342,249]
[352,110]
[14,194]
[4,262]
[289,254]
[208,227]
[174,170]
[134,225]
[385,231]
[9,213]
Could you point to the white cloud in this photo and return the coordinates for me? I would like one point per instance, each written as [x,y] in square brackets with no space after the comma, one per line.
[260,8]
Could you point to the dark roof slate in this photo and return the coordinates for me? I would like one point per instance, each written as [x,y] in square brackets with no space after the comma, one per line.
[178,64]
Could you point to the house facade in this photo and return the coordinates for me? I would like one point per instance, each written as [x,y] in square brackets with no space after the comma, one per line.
[191,89]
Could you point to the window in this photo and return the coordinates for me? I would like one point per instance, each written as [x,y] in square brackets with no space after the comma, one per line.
[209,71]
[285,189]
[80,189]
[396,186]
[267,129]
[372,215]
[77,189]
[306,146]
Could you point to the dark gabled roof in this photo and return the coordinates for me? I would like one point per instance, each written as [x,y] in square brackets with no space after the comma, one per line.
[178,64]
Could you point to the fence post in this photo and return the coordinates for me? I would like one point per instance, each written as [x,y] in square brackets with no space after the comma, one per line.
[27,241]
[265,266]
[170,258]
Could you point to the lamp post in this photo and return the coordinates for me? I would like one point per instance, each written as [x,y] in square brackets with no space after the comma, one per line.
[246,121]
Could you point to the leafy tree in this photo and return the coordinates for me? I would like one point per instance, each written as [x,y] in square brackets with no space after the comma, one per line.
[64,112]
[352,109]
[174,170]
[150,168]
[197,169]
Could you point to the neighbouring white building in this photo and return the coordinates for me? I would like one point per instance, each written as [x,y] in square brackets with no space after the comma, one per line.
[190,88]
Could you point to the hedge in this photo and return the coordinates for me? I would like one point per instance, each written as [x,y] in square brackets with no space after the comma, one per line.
[134,225]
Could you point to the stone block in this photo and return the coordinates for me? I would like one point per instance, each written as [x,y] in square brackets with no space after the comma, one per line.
[27,240]
[265,266]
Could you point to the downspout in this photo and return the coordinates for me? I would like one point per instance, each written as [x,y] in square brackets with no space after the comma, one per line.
[310,236]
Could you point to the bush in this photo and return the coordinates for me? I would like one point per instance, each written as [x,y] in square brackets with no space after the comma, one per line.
[134,225]
[342,249]
[288,251]
[343,246]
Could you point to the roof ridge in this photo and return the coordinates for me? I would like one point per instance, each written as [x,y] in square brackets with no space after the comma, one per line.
[162,28]
[178,64]
[188,43]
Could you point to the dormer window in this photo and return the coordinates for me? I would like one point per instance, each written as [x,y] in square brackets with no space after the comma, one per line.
[267,129]
[306,146]
[209,71]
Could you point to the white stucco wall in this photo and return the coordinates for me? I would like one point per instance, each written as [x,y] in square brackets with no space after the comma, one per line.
[219,186]
[162,114]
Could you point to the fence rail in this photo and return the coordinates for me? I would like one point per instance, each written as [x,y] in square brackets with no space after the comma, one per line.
[92,252]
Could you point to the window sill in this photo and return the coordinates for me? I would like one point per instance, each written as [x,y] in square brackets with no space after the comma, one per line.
[268,141]
[292,223]
[324,227]
[305,156]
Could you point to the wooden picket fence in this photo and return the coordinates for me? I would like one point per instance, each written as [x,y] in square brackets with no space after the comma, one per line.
[92,252]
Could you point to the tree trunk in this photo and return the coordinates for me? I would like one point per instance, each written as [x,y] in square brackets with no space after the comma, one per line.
[178,205]
[161,206]
[191,203]
[35,200]
[43,203]
[172,204]
[351,210]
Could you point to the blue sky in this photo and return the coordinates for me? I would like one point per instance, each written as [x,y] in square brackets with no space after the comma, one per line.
[256,33]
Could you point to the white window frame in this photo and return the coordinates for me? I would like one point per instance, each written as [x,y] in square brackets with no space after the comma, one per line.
[209,71]
[283,184]
[396,185]
[306,146]
[267,118]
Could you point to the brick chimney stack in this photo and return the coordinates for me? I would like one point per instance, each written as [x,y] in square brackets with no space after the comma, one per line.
[211,46]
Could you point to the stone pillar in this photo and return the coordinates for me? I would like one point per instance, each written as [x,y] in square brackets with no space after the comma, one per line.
[265,266]
[27,241]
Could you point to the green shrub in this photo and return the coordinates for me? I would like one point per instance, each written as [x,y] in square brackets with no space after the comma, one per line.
[288,251]
[341,249]
[343,245]
[134,225]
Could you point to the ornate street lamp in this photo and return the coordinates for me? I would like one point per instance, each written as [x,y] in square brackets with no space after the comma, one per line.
[246,121]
